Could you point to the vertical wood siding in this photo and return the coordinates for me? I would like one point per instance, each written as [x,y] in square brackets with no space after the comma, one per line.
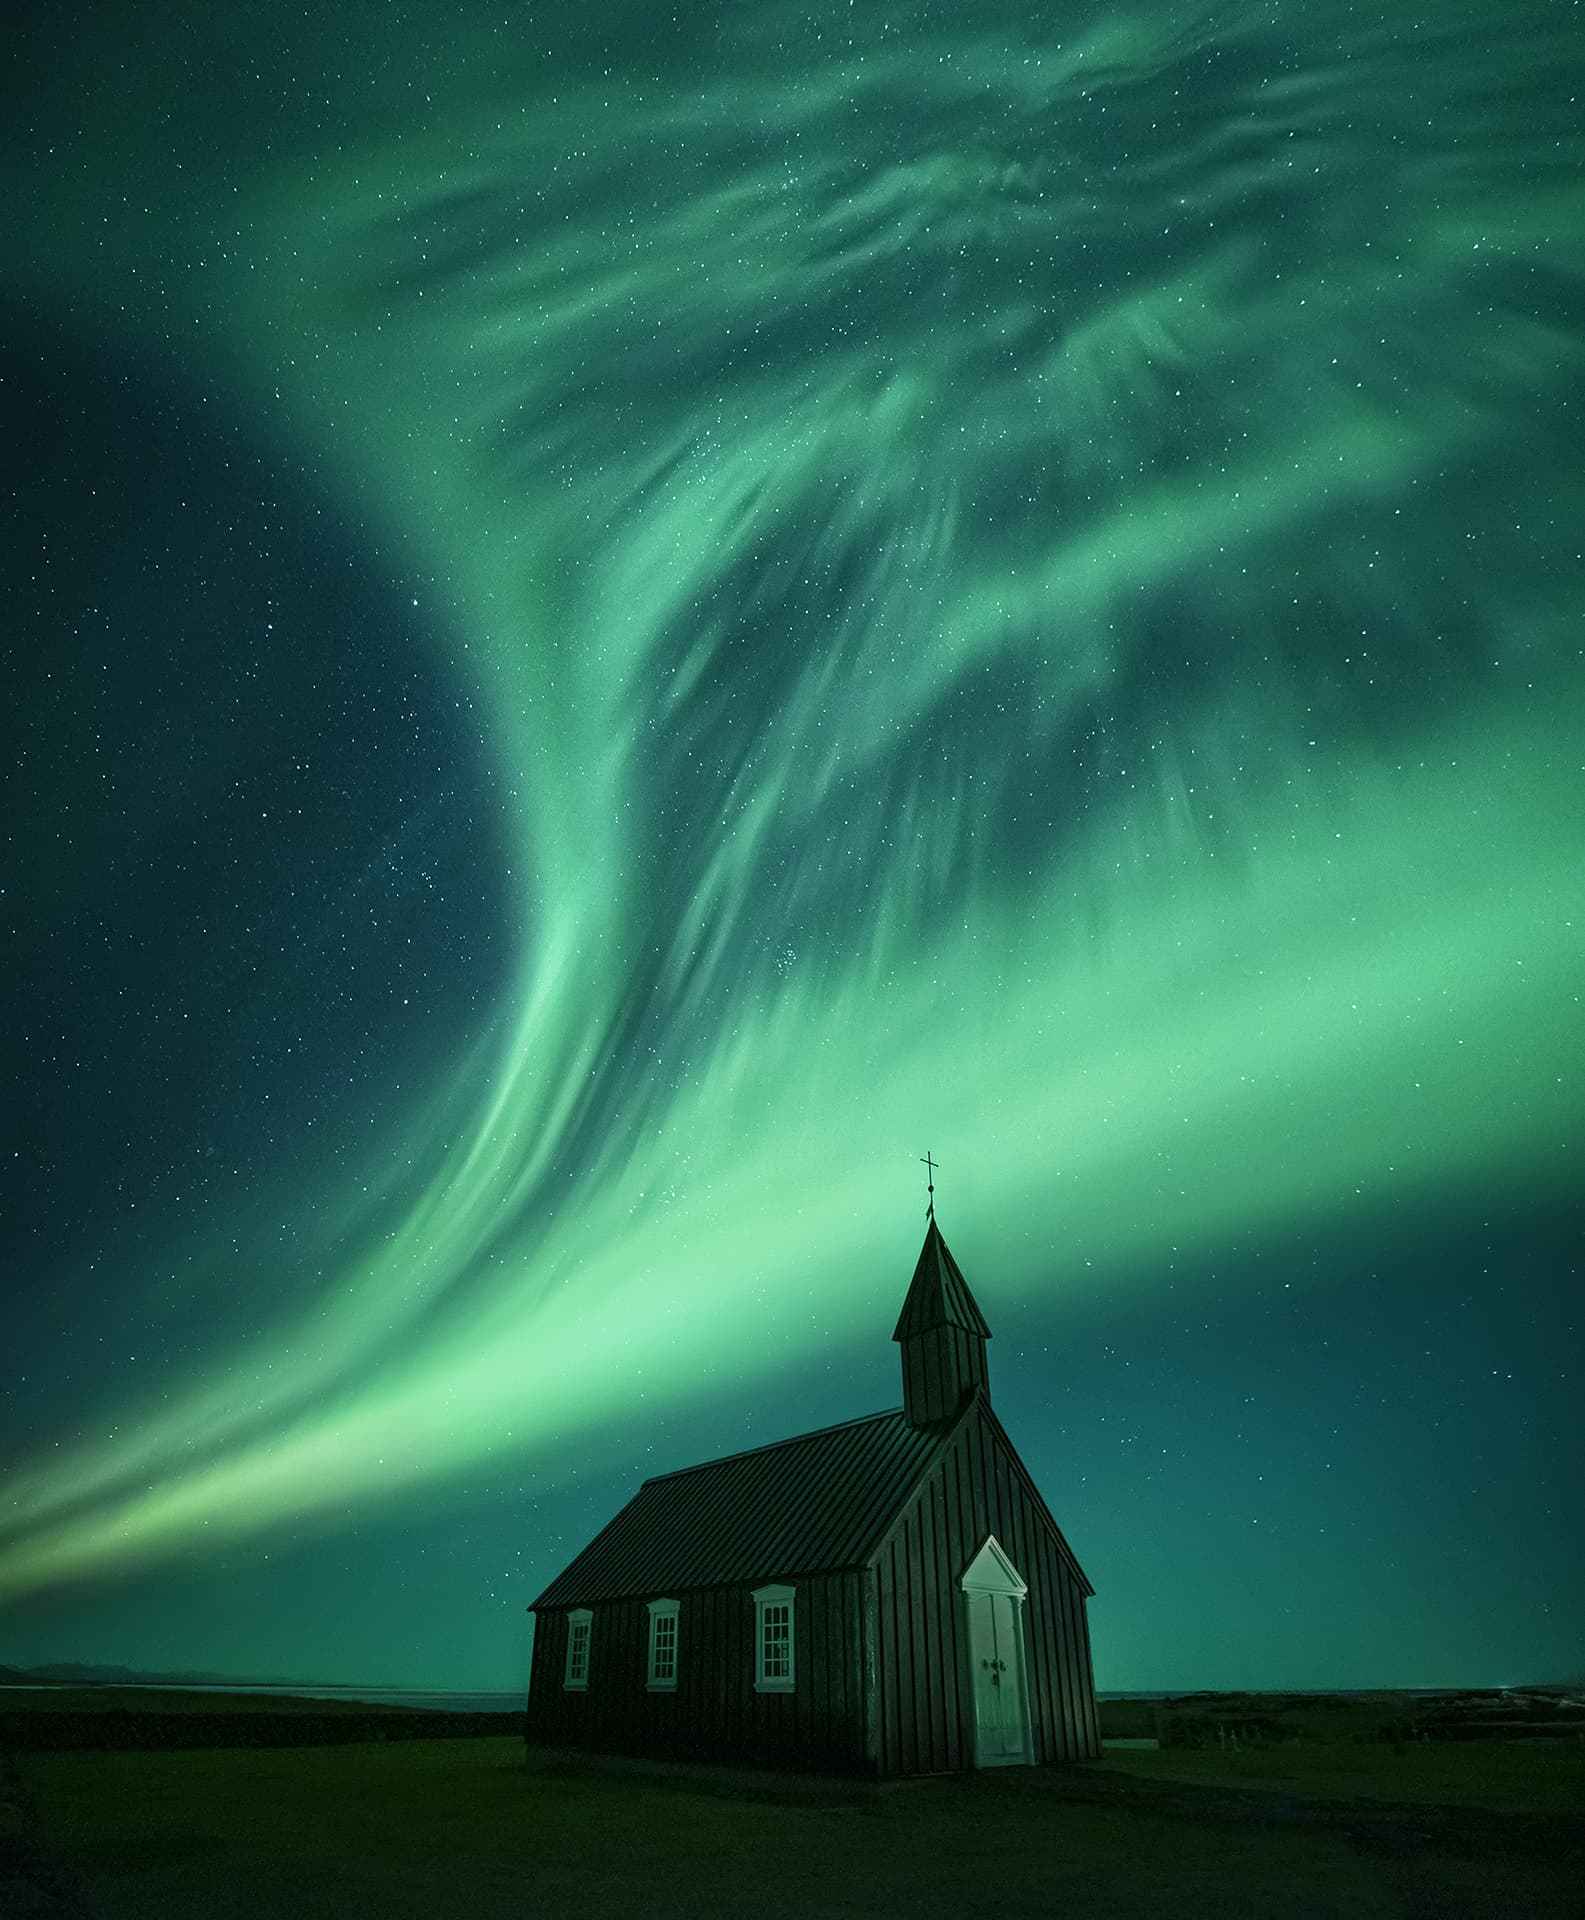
[883,1682]
[714,1711]
[926,1718]
[941,1367]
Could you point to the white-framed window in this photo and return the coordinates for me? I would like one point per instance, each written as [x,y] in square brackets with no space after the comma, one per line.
[580,1629]
[774,1652]
[663,1646]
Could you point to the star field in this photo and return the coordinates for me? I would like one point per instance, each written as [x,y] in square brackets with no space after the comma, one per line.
[621,624]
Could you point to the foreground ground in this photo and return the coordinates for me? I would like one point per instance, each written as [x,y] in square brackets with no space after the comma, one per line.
[427,1828]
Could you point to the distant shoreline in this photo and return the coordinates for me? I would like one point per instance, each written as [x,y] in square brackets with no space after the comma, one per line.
[509,1700]
[133,1694]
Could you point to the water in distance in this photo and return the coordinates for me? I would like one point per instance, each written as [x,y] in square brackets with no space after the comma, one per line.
[435,1700]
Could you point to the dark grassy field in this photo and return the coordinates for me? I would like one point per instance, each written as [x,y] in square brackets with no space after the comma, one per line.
[93,1719]
[427,1828]
[1509,1779]
[173,1700]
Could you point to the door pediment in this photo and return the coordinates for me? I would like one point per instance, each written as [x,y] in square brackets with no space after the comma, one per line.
[990,1571]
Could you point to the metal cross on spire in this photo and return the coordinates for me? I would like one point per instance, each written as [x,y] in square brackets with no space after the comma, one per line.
[930,1179]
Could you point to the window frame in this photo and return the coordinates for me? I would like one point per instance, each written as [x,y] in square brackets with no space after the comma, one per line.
[571,1680]
[764,1599]
[660,1610]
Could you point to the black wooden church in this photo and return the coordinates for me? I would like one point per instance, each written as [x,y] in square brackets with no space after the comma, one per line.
[889,1596]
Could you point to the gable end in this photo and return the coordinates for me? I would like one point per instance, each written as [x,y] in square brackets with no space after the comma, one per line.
[1009,1453]
[979,1408]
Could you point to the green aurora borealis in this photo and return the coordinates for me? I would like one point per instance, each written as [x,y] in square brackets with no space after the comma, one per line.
[996,578]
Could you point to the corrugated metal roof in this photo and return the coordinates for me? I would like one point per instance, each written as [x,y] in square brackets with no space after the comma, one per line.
[804,1505]
[938,1294]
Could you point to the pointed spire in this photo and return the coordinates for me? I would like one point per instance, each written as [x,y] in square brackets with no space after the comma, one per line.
[942,1334]
[938,1295]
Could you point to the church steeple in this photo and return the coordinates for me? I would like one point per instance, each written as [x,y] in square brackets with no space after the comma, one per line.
[942,1334]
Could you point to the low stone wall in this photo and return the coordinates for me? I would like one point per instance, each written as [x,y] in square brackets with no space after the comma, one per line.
[164,1732]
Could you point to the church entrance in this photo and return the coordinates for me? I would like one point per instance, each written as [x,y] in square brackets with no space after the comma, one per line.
[993,1597]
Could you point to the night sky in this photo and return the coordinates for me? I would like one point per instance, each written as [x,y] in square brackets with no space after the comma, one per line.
[615,625]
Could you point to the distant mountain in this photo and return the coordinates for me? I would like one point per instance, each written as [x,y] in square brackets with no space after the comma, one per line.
[74,1673]
[80,1673]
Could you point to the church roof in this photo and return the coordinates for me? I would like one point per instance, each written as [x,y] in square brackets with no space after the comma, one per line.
[807,1505]
[939,1295]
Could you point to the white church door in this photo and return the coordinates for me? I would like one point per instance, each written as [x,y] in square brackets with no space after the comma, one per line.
[993,1598]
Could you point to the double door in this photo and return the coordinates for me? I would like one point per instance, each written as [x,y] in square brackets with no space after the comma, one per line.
[996,1660]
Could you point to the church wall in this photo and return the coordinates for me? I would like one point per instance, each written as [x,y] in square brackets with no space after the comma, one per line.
[926,1707]
[714,1713]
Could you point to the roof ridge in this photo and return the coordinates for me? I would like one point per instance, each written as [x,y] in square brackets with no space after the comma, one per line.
[769,1446]
[809,1501]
